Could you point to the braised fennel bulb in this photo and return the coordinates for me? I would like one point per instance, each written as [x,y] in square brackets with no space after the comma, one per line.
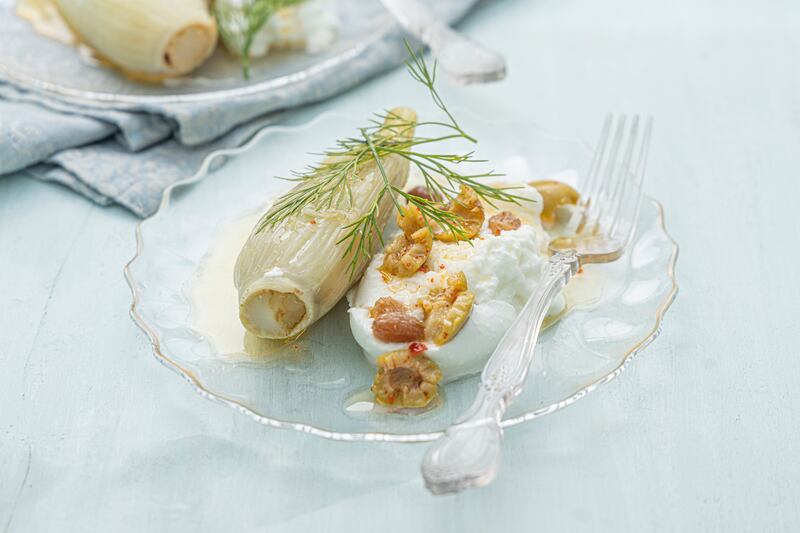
[291,272]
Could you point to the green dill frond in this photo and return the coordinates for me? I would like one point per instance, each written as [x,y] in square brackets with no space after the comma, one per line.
[327,184]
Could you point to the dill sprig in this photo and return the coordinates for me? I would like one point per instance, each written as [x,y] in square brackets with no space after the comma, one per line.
[327,184]
[239,22]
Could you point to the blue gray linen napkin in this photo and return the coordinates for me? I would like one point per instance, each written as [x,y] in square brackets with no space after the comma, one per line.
[130,157]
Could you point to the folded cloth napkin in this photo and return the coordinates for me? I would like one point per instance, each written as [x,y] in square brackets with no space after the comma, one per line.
[130,156]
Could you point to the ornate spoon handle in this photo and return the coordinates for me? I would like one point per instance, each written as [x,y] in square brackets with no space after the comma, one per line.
[468,455]
[462,59]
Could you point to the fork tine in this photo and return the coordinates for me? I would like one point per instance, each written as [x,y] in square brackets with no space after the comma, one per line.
[614,204]
[601,195]
[597,158]
[629,207]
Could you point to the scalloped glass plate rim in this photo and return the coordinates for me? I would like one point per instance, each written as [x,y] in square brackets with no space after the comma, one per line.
[198,386]
[122,100]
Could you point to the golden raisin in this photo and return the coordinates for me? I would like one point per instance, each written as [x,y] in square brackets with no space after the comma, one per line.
[554,195]
[406,380]
[447,309]
[397,326]
[420,191]
[469,210]
[386,304]
[504,221]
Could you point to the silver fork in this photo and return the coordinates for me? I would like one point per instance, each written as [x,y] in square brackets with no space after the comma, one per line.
[468,454]
[463,60]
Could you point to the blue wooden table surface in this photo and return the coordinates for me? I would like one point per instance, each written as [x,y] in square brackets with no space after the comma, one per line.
[699,434]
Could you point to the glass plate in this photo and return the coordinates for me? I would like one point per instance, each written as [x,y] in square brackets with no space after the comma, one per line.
[30,59]
[308,388]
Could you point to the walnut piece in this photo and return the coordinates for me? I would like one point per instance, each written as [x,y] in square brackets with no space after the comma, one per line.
[405,379]
[469,210]
[408,251]
[447,309]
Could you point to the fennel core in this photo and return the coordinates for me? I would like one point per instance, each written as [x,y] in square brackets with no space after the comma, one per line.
[327,184]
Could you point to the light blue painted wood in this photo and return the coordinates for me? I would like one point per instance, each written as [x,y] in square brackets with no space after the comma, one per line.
[700,434]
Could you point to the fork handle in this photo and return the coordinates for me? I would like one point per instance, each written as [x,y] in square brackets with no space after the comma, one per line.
[462,59]
[468,454]
[420,21]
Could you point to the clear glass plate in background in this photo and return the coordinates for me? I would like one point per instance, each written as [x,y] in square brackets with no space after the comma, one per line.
[33,60]
[308,391]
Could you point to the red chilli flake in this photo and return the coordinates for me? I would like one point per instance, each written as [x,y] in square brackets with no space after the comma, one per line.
[417,348]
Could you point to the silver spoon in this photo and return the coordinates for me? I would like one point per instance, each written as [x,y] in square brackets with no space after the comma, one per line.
[463,60]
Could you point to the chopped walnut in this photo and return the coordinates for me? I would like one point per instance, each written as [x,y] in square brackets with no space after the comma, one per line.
[410,219]
[405,379]
[405,255]
[468,208]
[408,252]
[447,309]
[504,221]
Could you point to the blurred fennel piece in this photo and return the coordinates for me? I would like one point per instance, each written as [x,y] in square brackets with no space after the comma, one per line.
[146,39]
[251,28]
[44,17]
